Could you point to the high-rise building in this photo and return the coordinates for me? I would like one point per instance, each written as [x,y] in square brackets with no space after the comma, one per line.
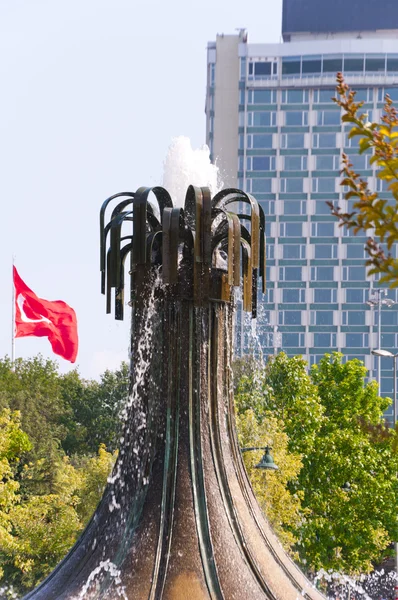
[274,131]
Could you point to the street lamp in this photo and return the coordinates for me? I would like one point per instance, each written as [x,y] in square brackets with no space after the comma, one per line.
[377,300]
[386,353]
[267,461]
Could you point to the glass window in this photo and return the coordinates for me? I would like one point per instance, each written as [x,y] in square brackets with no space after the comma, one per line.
[294,251]
[364,95]
[327,162]
[292,140]
[324,140]
[262,96]
[354,296]
[270,251]
[322,317]
[324,96]
[262,68]
[290,317]
[389,317]
[294,207]
[322,229]
[354,317]
[261,186]
[322,274]
[382,185]
[392,64]
[291,65]
[296,117]
[354,273]
[356,340]
[388,340]
[332,65]
[260,141]
[386,385]
[261,119]
[262,163]
[295,163]
[290,273]
[324,163]
[292,340]
[392,92]
[329,117]
[321,208]
[323,340]
[325,296]
[295,296]
[325,251]
[212,73]
[291,229]
[359,161]
[293,185]
[375,65]
[311,64]
[355,251]
[294,96]
[323,185]
[268,207]
[353,63]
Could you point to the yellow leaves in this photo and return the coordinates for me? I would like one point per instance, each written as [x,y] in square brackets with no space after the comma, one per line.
[364,144]
[282,508]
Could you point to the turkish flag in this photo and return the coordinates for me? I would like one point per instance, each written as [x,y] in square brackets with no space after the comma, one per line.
[43,318]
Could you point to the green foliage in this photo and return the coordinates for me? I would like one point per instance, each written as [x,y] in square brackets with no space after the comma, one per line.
[92,410]
[33,388]
[335,420]
[47,497]
[372,212]
[348,531]
[95,471]
[285,389]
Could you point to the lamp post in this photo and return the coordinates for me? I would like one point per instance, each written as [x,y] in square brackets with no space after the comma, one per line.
[386,353]
[376,299]
[267,461]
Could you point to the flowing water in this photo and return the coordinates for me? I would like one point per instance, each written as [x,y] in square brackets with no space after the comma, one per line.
[184,166]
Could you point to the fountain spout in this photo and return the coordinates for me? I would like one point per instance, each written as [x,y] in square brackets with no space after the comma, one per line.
[178,519]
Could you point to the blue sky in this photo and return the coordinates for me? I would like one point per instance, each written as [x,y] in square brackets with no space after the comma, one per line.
[93,91]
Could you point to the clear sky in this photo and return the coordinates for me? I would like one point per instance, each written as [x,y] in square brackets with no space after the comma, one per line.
[92,92]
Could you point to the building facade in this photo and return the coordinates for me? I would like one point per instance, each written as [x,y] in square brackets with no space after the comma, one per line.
[274,131]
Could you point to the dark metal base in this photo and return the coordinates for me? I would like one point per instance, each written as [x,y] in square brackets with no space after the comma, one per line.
[194,530]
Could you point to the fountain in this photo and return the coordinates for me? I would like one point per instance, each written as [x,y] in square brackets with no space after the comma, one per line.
[178,519]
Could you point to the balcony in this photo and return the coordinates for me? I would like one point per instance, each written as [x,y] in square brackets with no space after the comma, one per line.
[323,80]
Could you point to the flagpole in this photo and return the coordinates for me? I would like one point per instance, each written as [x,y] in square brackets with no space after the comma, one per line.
[12,317]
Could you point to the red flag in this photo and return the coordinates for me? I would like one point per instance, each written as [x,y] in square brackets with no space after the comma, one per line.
[43,318]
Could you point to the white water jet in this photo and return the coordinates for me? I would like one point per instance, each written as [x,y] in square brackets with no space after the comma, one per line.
[184,166]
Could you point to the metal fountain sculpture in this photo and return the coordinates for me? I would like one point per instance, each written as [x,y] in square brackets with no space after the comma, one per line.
[178,519]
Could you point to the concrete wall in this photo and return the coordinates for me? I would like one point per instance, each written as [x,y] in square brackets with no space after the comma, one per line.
[226,108]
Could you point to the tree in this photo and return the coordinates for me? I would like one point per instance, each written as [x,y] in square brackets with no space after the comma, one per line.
[371,212]
[47,497]
[347,531]
[284,389]
[336,419]
[32,387]
[281,506]
[37,530]
[92,415]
